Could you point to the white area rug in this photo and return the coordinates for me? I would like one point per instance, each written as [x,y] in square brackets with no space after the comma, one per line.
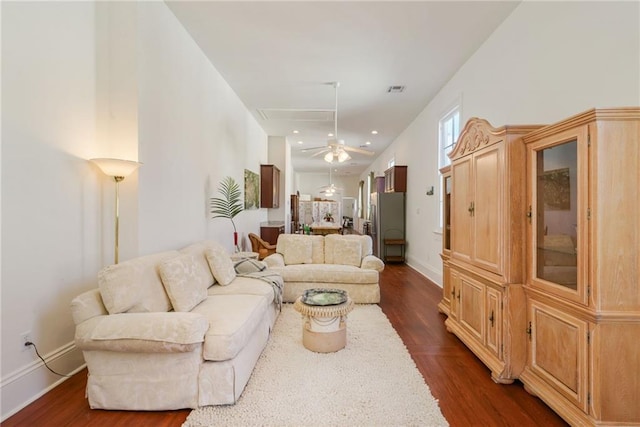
[371,382]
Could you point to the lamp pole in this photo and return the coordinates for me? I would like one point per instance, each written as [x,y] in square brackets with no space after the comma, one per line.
[118,169]
[117,237]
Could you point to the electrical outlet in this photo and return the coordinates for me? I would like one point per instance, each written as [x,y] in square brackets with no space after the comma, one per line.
[25,337]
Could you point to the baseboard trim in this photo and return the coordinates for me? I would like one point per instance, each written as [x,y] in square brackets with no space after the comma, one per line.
[426,270]
[23,386]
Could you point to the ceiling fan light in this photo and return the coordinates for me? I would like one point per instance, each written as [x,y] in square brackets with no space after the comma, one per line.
[343,156]
[328,157]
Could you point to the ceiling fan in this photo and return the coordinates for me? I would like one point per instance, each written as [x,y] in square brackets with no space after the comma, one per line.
[336,149]
[331,189]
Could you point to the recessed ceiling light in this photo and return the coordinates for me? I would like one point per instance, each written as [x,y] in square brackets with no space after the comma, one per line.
[374,132]
[296,131]
[330,135]
[300,142]
[367,143]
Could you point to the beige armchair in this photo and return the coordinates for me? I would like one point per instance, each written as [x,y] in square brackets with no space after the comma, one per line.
[263,248]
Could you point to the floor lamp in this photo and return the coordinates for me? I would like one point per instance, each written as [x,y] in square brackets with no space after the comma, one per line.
[118,169]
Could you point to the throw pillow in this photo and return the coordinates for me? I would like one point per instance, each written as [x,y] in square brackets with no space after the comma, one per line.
[221,265]
[185,281]
[248,265]
[135,286]
[197,250]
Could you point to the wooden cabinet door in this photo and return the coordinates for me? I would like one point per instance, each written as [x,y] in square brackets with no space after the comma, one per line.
[472,307]
[454,299]
[558,351]
[461,209]
[494,322]
[444,306]
[269,186]
[487,208]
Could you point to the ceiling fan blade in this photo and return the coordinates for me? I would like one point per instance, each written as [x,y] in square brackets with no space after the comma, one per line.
[318,153]
[305,150]
[358,150]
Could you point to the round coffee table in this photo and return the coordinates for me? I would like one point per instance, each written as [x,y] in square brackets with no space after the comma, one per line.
[325,326]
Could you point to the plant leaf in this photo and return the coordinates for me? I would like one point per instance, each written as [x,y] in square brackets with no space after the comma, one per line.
[230,204]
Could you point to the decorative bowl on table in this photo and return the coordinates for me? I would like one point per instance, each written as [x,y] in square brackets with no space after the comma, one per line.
[320,296]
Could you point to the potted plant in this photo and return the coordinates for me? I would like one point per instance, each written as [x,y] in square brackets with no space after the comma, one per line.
[229,205]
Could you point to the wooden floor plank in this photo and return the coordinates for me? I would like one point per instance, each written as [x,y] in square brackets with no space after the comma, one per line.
[461,383]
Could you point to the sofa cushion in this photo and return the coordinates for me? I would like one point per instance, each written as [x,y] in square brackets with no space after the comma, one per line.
[197,250]
[232,321]
[221,265]
[185,281]
[333,244]
[327,273]
[296,248]
[317,249]
[134,285]
[176,328]
[343,251]
[244,285]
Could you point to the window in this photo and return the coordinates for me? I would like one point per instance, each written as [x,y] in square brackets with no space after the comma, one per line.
[449,130]
[391,163]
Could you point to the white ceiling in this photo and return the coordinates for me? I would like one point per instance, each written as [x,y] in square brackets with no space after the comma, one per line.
[280,56]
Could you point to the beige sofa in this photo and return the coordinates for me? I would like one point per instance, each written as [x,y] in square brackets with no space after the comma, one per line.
[158,334]
[331,261]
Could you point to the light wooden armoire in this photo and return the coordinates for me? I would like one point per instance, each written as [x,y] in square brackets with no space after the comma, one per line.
[583,267]
[485,274]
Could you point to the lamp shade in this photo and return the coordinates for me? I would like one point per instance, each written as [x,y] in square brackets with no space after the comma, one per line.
[343,156]
[116,167]
[328,157]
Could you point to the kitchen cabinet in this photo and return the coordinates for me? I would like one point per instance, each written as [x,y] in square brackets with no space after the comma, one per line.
[395,179]
[269,187]
[270,230]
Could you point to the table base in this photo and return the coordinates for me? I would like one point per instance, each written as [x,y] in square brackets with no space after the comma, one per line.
[324,342]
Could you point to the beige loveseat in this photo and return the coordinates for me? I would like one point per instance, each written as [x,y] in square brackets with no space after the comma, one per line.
[158,334]
[332,261]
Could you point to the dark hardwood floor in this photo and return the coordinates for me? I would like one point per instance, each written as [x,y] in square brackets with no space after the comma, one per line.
[461,383]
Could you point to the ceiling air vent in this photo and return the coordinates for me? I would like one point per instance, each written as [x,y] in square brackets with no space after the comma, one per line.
[395,89]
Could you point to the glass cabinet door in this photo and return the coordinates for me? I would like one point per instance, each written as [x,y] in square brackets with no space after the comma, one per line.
[446,213]
[557,242]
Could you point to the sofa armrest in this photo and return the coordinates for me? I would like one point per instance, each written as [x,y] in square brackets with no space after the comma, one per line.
[171,332]
[274,260]
[87,305]
[371,262]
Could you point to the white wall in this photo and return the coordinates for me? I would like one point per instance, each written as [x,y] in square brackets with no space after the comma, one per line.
[51,213]
[312,183]
[83,80]
[193,132]
[546,62]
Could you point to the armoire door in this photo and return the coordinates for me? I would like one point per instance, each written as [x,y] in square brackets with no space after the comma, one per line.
[461,209]
[487,208]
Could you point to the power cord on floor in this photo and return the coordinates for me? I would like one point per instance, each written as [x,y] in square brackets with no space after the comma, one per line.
[28,344]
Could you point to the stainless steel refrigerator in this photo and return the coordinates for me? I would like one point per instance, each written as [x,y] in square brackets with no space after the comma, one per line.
[387,218]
